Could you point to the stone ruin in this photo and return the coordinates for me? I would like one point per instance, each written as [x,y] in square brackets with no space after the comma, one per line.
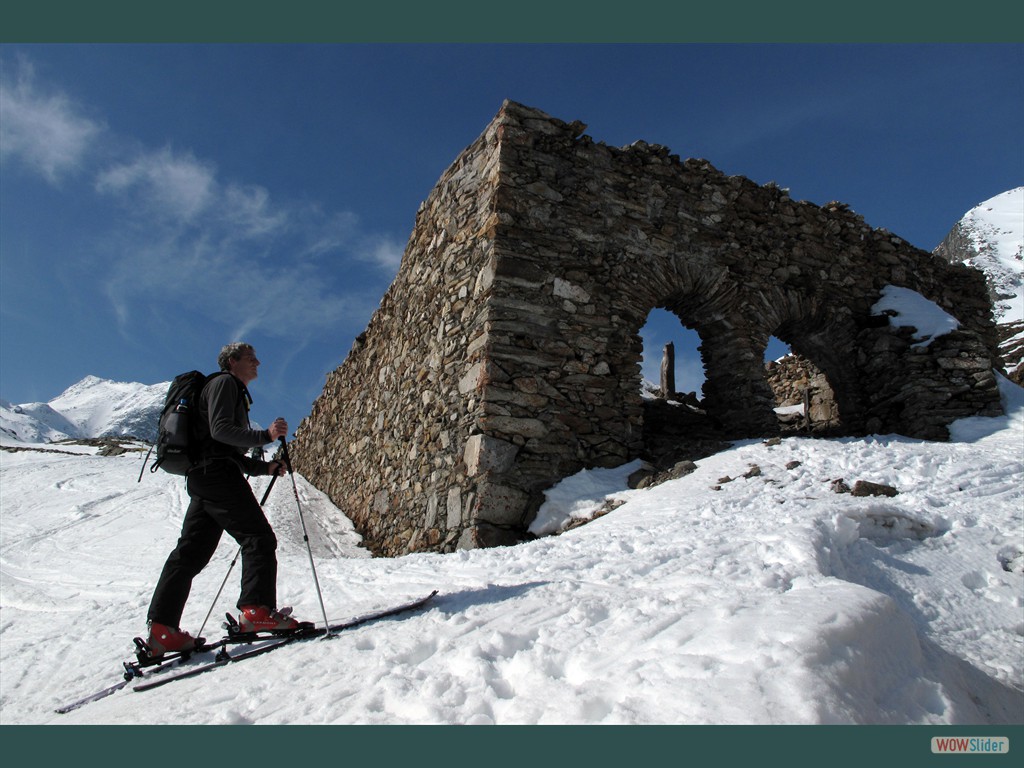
[505,356]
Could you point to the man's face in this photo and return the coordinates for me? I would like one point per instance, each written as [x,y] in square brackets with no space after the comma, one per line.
[245,367]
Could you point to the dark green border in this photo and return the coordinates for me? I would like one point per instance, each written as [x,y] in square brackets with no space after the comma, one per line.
[500,746]
[439,21]
[522,21]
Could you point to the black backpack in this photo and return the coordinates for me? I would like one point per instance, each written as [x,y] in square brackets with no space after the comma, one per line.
[177,444]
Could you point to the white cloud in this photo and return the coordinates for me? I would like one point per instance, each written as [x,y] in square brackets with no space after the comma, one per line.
[249,209]
[184,239]
[382,251]
[46,132]
[169,186]
[229,252]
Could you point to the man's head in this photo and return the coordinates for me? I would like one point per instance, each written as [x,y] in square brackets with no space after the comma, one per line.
[240,359]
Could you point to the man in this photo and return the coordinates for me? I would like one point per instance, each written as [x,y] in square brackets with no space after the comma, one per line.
[222,500]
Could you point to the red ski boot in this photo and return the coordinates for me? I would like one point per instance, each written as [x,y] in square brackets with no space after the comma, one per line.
[260,618]
[163,639]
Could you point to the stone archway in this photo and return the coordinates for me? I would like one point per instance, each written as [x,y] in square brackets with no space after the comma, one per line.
[505,355]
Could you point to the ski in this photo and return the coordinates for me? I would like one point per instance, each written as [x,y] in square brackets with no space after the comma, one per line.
[91,697]
[279,641]
[133,670]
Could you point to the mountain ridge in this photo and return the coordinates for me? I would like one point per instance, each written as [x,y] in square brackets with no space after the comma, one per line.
[990,237]
[90,408]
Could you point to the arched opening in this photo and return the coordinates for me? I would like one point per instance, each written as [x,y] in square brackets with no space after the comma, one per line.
[805,401]
[675,424]
[669,344]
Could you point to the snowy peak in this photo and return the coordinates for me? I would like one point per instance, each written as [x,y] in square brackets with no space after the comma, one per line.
[93,407]
[990,237]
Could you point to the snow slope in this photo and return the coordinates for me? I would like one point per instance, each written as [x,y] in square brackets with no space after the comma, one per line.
[990,237]
[770,600]
[34,423]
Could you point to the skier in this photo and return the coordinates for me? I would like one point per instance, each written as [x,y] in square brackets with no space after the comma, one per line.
[222,500]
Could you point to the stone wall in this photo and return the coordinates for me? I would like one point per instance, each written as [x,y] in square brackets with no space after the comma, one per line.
[798,382]
[506,355]
[972,243]
[386,438]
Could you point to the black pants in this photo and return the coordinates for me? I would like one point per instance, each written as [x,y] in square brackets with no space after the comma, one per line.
[222,500]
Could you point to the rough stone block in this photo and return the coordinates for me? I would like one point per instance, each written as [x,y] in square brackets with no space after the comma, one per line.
[484,453]
[526,427]
[500,505]
[454,519]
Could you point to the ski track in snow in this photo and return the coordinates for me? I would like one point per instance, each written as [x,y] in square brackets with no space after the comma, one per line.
[771,600]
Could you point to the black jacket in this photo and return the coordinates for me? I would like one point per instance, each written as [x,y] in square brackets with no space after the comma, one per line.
[224,429]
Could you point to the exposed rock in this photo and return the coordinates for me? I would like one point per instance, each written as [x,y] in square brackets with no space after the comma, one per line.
[863,488]
[988,237]
[839,486]
[866,488]
[797,383]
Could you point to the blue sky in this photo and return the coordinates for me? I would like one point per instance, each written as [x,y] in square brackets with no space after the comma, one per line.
[157,201]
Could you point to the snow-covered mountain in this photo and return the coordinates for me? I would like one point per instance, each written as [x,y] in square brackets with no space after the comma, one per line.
[93,407]
[990,237]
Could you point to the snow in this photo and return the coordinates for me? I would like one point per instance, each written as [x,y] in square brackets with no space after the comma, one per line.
[908,308]
[772,600]
[93,407]
[728,596]
[34,422]
[100,407]
[995,229]
[576,497]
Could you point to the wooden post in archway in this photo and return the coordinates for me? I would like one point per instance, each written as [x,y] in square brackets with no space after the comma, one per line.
[668,372]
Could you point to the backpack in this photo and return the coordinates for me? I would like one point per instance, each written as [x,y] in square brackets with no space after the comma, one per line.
[177,444]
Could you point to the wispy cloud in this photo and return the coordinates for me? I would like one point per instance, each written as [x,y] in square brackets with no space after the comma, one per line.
[230,252]
[185,238]
[44,131]
[383,251]
[173,188]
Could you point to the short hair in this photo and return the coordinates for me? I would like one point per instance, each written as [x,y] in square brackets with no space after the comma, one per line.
[232,351]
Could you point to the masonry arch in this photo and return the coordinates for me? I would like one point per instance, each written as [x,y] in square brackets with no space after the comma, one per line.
[674,418]
[820,337]
[808,377]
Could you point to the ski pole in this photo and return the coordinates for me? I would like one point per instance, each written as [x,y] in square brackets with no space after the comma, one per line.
[217,596]
[145,461]
[267,492]
[305,536]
